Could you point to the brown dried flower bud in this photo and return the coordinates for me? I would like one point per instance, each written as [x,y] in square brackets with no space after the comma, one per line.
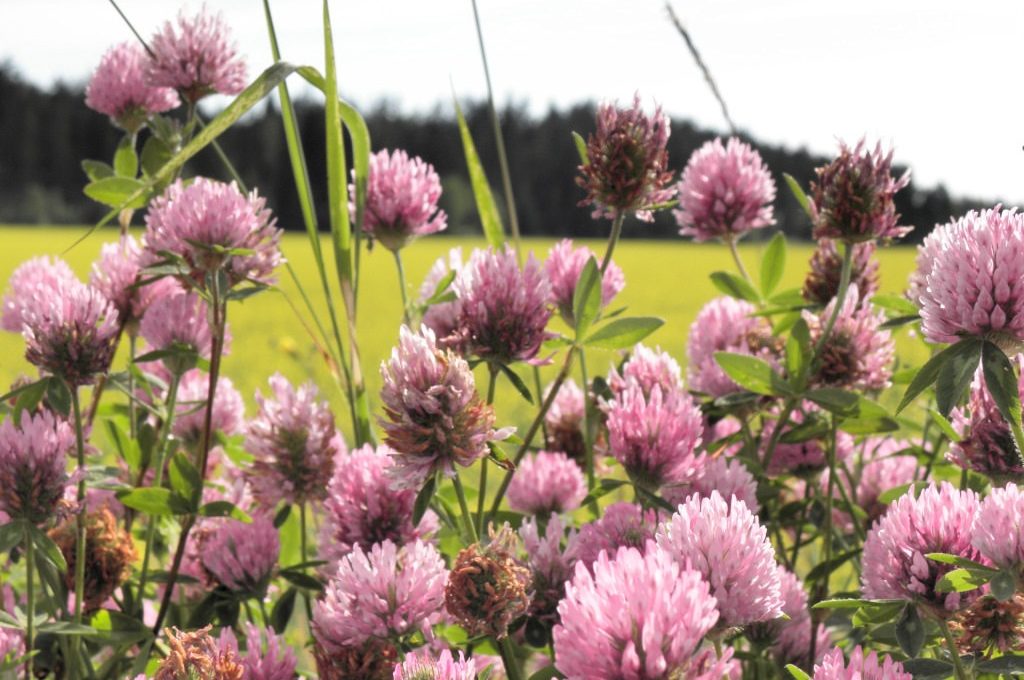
[109,554]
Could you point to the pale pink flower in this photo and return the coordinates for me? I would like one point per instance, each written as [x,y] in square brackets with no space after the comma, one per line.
[71,333]
[858,353]
[116,274]
[637,616]
[385,593]
[267,655]
[238,555]
[647,368]
[729,477]
[33,282]
[655,437]
[564,421]
[725,192]
[861,667]
[986,443]
[822,282]
[627,162]
[974,283]
[179,320]
[401,199]
[564,266]
[442,317]
[852,199]
[929,248]
[213,227]
[503,310]
[726,543]
[547,483]
[725,325]
[434,417]
[12,645]
[423,666]
[293,442]
[193,393]
[362,508]
[196,57]
[940,519]
[999,528]
[790,639]
[550,565]
[119,89]
[621,525]
[33,465]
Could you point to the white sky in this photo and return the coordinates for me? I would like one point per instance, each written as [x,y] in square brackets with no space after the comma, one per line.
[939,79]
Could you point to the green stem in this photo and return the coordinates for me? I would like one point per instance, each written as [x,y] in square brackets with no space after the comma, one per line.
[958,666]
[161,460]
[509,659]
[467,517]
[81,533]
[304,551]
[731,242]
[534,426]
[588,428]
[30,631]
[613,239]
[831,453]
[263,612]
[132,426]
[492,383]
[401,285]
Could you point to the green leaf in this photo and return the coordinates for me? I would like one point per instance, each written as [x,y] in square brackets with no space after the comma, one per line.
[117,628]
[897,304]
[11,534]
[118,192]
[155,154]
[928,668]
[734,286]
[359,134]
[58,396]
[517,383]
[798,352]
[959,581]
[586,297]
[423,498]
[30,398]
[185,478]
[581,148]
[66,628]
[127,448]
[281,614]
[1002,383]
[126,162]
[842,603]
[623,333]
[823,569]
[546,673]
[929,373]
[773,264]
[96,170]
[155,501]
[958,561]
[945,426]
[604,487]
[1003,585]
[889,495]
[870,418]
[301,580]
[835,400]
[225,509]
[48,549]
[954,379]
[751,373]
[798,193]
[282,516]
[485,205]
[1009,664]
[794,671]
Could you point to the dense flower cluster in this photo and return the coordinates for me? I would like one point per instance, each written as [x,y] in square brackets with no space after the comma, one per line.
[401,199]
[724,325]
[822,282]
[545,483]
[33,466]
[109,554]
[195,56]
[985,441]
[858,353]
[861,667]
[564,266]
[119,88]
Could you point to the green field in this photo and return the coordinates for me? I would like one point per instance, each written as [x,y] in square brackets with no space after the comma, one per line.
[666,279]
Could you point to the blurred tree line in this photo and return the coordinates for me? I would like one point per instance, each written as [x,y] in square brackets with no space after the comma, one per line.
[45,134]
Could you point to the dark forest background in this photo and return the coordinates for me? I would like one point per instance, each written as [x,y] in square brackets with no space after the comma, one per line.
[44,135]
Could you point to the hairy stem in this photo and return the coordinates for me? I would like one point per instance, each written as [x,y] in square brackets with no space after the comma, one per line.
[467,517]
[731,242]
[30,595]
[401,285]
[81,533]
[492,383]
[954,652]
[613,239]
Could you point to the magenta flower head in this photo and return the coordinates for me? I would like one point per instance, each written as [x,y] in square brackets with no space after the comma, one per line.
[116,275]
[725,191]
[72,333]
[441,317]
[986,443]
[621,525]
[852,199]
[228,407]
[547,483]
[34,282]
[550,566]
[267,655]
[999,528]
[423,666]
[401,199]
[626,169]
[728,477]
[861,667]
[434,417]
[362,508]
[636,616]
[725,325]
[119,89]
[503,309]
[213,227]
[178,321]
[655,437]
[726,543]
[894,562]
[647,368]
[970,280]
[196,57]
[564,421]
[564,266]
[293,442]
[822,282]
[858,353]
[237,555]
[384,593]
[33,466]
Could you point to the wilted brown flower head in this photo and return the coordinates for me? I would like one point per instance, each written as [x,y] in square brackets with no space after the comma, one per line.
[194,655]
[822,282]
[989,624]
[109,554]
[373,660]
